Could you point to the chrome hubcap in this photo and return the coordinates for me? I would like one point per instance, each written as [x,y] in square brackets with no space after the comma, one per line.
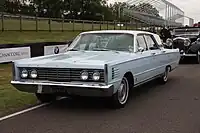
[123,91]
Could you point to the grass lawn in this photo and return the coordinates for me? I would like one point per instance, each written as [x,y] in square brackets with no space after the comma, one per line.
[27,37]
[10,98]
[11,24]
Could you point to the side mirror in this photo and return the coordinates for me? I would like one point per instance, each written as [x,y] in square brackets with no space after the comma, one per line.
[169,42]
[140,49]
[164,44]
[130,48]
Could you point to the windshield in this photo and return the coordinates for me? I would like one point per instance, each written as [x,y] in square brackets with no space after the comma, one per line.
[103,42]
[190,31]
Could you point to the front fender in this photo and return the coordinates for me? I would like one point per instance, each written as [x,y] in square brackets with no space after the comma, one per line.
[195,47]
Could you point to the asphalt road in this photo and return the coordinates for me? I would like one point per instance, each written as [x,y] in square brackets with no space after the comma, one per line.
[153,108]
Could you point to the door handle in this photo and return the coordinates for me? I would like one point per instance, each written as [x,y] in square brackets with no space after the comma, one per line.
[163,51]
[153,53]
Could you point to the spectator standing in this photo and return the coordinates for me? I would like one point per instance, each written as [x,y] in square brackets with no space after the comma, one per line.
[165,33]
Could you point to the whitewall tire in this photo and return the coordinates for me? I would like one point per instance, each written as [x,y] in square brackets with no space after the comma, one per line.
[120,98]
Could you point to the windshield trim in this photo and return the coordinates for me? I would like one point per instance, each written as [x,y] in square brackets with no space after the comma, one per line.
[78,37]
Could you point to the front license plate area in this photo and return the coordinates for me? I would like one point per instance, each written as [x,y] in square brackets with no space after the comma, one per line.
[39,90]
[58,89]
[50,89]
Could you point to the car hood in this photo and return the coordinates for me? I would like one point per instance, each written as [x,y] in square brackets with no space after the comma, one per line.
[76,59]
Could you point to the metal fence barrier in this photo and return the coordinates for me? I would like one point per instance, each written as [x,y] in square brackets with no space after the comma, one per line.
[29,23]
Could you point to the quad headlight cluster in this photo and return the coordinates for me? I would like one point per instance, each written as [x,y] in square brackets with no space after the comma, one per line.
[72,75]
[29,74]
[85,76]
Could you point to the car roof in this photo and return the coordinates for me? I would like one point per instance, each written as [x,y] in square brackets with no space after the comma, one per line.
[133,32]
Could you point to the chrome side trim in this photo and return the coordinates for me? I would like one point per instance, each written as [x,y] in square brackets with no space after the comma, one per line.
[98,86]
[153,69]
[147,80]
[106,73]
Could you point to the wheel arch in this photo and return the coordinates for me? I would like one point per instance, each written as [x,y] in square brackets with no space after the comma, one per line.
[169,66]
[130,78]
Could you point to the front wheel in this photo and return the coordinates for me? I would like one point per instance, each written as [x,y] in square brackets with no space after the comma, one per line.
[120,98]
[44,98]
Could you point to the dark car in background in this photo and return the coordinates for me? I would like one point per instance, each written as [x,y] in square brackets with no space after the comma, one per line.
[187,40]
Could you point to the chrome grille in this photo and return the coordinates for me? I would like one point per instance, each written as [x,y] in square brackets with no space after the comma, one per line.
[54,74]
[64,74]
[179,43]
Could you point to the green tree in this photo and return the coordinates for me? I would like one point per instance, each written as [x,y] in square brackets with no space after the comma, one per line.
[117,10]
[2,3]
[75,9]
[12,6]
[78,9]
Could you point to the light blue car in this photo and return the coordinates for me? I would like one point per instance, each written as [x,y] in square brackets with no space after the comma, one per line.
[98,64]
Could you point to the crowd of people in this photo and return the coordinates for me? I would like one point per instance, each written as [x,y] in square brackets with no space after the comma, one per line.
[164,33]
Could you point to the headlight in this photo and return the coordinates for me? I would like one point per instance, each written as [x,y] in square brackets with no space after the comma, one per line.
[24,73]
[84,75]
[96,76]
[187,42]
[169,42]
[33,74]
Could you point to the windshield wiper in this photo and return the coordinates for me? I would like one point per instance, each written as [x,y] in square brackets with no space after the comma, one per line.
[93,49]
[73,49]
[100,49]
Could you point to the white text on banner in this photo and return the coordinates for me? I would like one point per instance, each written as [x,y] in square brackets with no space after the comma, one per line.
[11,54]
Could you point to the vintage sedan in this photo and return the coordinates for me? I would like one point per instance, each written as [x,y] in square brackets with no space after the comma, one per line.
[97,64]
[187,40]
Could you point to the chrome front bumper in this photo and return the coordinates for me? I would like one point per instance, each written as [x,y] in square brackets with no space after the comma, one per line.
[70,88]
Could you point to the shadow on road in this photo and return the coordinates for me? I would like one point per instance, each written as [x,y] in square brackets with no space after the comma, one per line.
[188,61]
[100,104]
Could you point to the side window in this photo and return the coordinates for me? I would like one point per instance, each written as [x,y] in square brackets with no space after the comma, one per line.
[158,40]
[150,42]
[141,42]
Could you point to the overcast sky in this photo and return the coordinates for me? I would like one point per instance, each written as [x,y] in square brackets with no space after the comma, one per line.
[190,7]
